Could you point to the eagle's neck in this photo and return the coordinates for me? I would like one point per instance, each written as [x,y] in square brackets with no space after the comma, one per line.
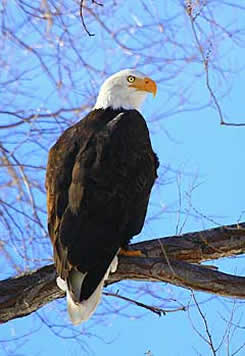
[117,98]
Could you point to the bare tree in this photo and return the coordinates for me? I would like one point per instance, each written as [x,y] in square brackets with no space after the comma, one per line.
[50,73]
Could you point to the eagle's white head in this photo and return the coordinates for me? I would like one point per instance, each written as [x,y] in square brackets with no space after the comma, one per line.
[126,89]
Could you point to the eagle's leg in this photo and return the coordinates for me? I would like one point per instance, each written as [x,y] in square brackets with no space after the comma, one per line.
[131,253]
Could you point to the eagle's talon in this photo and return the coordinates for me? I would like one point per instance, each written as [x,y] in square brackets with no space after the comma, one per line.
[131,253]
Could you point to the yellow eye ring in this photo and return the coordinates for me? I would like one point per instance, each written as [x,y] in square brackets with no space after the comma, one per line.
[130,78]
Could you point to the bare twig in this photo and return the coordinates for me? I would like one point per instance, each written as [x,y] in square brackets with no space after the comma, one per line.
[82,17]
[156,310]
[209,340]
[205,60]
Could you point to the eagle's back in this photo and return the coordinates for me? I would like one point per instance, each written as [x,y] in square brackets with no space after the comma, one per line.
[99,178]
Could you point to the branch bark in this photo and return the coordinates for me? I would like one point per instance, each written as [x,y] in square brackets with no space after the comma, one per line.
[169,259]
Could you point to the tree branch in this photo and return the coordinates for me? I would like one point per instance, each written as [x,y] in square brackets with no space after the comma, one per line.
[168,260]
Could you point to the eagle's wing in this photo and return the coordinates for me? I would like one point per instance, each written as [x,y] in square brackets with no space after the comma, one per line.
[98,192]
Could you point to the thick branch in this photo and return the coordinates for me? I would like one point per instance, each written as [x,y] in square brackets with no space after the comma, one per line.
[197,247]
[166,261]
[181,274]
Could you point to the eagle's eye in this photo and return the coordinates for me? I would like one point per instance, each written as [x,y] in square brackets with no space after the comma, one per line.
[130,78]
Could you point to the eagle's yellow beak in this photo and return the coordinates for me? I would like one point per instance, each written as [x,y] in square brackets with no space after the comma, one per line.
[145,84]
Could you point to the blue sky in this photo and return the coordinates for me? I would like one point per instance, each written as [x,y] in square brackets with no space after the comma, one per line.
[205,164]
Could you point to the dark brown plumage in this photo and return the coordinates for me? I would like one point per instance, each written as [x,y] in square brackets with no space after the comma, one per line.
[99,178]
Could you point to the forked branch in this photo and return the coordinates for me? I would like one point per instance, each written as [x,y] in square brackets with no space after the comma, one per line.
[167,259]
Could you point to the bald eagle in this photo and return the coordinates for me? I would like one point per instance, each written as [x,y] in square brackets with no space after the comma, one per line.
[99,178]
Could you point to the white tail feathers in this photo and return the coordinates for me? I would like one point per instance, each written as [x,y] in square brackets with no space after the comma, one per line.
[80,312]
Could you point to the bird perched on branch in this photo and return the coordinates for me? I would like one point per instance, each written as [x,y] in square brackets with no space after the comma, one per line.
[99,178]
